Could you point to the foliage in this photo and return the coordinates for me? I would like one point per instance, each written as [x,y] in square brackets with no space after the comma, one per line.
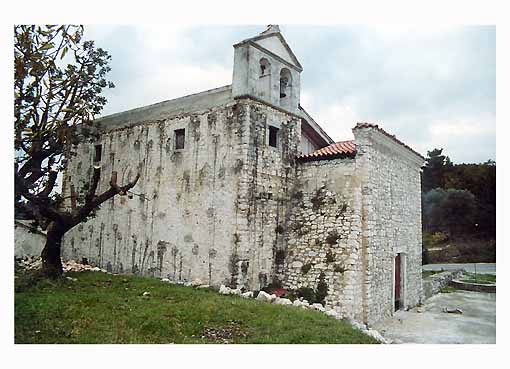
[306,268]
[457,211]
[58,80]
[330,258]
[435,169]
[478,211]
[306,293]
[80,311]
[322,289]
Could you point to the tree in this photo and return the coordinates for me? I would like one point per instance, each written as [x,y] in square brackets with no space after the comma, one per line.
[58,80]
[457,211]
[434,170]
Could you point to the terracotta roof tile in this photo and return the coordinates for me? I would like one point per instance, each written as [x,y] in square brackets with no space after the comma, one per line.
[339,149]
[393,137]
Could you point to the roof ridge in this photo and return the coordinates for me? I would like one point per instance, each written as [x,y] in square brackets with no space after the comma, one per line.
[361,125]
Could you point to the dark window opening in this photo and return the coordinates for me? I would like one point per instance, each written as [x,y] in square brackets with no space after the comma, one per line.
[273,136]
[264,67]
[97,154]
[179,139]
[285,82]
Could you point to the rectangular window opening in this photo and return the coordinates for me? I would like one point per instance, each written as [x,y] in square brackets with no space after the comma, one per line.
[179,139]
[273,136]
[98,153]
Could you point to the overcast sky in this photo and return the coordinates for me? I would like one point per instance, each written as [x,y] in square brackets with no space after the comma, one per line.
[431,87]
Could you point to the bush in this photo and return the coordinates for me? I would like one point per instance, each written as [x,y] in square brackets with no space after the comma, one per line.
[306,293]
[306,268]
[322,289]
[330,258]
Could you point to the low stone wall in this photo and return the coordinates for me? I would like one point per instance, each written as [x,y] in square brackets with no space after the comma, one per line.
[27,241]
[434,283]
[477,287]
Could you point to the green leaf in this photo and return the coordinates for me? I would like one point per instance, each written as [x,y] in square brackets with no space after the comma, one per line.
[46,46]
[64,52]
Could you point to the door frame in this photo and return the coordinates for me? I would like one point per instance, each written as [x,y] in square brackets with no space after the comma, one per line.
[403,278]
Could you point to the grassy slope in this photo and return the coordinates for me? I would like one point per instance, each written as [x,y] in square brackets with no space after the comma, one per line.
[102,308]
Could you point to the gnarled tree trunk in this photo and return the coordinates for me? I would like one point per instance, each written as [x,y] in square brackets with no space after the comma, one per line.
[51,262]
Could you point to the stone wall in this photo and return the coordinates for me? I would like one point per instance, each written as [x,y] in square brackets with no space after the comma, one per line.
[27,241]
[209,211]
[264,191]
[180,220]
[391,222]
[434,283]
[325,234]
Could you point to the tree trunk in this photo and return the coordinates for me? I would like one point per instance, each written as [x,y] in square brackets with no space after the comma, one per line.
[52,264]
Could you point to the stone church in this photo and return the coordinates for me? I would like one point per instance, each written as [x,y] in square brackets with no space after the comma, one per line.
[240,186]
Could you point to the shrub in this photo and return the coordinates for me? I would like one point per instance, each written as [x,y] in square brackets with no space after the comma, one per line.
[332,238]
[306,268]
[306,293]
[338,269]
[329,257]
[322,289]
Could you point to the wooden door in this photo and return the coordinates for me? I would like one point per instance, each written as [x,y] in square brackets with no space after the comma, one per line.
[397,282]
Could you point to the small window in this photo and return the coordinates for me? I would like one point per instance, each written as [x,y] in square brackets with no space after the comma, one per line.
[265,67]
[98,153]
[285,82]
[179,139]
[273,136]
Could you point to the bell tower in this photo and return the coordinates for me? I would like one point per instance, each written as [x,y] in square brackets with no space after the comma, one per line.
[266,68]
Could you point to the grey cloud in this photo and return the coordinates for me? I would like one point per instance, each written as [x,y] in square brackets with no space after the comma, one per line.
[406,82]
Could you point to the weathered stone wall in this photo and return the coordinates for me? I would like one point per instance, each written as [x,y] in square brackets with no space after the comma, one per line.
[209,211]
[391,222]
[181,223]
[264,193]
[434,283]
[325,234]
[27,241]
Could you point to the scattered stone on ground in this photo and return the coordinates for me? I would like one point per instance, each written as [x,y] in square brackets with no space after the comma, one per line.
[225,333]
[35,262]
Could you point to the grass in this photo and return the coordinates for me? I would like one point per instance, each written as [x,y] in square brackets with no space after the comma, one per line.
[104,308]
[479,278]
[428,273]
[449,289]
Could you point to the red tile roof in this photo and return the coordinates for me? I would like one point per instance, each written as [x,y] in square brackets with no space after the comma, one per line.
[348,148]
[371,125]
[339,149]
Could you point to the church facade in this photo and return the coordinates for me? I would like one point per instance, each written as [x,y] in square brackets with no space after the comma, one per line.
[240,186]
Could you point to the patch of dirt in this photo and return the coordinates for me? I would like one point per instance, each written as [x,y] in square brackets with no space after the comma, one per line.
[224,334]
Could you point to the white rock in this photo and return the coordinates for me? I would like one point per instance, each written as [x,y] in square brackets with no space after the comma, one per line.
[197,282]
[146,293]
[236,292]
[263,296]
[374,334]
[318,307]
[247,295]
[358,325]
[299,303]
[165,280]
[332,313]
[224,290]
[96,269]
[282,301]
[203,286]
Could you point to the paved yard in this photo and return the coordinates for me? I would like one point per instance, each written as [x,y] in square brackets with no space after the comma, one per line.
[429,324]
[482,268]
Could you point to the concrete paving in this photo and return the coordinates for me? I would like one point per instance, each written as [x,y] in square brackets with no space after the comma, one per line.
[482,268]
[429,324]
